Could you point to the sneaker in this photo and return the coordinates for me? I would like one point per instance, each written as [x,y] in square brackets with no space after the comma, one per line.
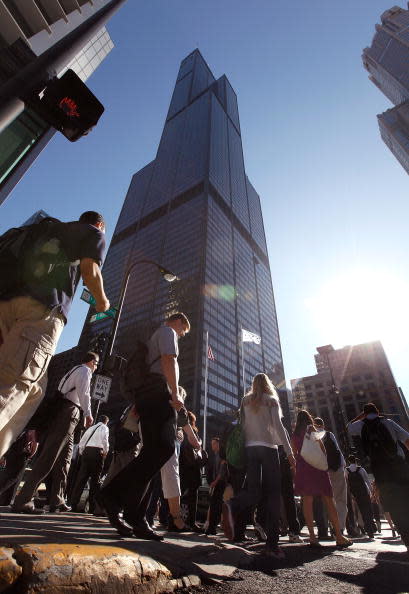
[228,521]
[27,508]
[274,552]
[60,508]
[260,532]
[294,538]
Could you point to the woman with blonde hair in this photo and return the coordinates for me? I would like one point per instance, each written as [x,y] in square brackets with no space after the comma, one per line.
[260,416]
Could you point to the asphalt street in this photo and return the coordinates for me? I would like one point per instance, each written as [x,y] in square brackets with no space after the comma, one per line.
[380,567]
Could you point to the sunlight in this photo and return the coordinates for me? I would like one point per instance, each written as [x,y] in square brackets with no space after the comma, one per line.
[362,305]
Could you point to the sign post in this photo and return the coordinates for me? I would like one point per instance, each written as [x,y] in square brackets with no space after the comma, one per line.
[102,386]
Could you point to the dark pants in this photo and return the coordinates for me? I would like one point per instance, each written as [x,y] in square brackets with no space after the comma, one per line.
[364,504]
[287,493]
[190,481]
[128,488]
[16,459]
[320,517]
[55,456]
[92,462]
[394,495]
[263,481]
[215,506]
[156,496]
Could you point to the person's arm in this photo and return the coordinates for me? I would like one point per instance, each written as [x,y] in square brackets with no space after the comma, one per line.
[170,370]
[105,440]
[92,277]
[82,386]
[282,435]
[190,434]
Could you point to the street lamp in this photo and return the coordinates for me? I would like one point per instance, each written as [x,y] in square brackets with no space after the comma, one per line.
[340,413]
[166,274]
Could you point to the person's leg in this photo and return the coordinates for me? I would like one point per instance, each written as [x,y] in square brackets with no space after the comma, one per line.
[271,487]
[307,502]
[59,474]
[56,439]
[365,507]
[287,492]
[339,489]
[394,497]
[80,482]
[333,518]
[320,517]
[128,487]
[155,491]
[96,466]
[30,334]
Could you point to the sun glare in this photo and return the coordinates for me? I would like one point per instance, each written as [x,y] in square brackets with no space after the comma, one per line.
[362,305]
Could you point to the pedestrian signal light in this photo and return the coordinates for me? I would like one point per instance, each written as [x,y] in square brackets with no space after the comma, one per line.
[70,107]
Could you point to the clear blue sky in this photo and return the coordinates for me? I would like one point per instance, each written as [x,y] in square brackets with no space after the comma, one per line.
[335,200]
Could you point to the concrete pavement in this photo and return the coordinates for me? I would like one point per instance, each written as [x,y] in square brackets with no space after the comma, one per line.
[55,553]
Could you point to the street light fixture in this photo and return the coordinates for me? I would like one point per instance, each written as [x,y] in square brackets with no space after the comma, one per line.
[166,274]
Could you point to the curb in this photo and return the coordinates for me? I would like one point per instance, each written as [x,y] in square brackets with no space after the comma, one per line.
[69,568]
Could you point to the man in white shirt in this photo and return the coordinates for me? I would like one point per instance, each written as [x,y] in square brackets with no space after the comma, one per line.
[93,449]
[56,450]
[380,437]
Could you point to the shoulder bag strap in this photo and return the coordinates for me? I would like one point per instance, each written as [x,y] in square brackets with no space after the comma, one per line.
[95,428]
[67,375]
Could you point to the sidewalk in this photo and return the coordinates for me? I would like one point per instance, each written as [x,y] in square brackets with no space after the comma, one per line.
[74,553]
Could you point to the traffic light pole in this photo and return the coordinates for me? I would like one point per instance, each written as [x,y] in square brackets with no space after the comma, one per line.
[32,79]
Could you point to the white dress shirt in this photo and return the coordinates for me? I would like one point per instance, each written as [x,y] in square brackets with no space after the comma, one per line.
[80,381]
[99,438]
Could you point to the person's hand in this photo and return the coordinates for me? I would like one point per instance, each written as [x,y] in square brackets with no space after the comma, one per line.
[102,304]
[32,443]
[88,421]
[213,484]
[176,402]
[291,461]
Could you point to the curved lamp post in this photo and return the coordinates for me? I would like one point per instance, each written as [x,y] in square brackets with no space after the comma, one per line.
[167,275]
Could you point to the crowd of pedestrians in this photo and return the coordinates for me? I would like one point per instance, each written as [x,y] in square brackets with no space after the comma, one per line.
[150,465]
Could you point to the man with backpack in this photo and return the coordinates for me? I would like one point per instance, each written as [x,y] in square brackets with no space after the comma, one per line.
[41,266]
[157,399]
[379,437]
[336,471]
[360,487]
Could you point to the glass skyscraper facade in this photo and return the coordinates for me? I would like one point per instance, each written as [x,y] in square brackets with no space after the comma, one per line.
[387,63]
[194,211]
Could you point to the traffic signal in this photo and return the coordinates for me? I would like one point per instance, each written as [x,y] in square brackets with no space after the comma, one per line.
[69,106]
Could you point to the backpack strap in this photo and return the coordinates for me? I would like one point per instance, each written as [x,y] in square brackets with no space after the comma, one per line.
[67,375]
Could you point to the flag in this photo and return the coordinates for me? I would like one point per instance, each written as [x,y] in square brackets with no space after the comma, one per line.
[210,353]
[247,336]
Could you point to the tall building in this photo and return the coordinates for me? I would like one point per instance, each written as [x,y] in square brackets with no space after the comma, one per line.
[194,211]
[28,30]
[387,63]
[346,379]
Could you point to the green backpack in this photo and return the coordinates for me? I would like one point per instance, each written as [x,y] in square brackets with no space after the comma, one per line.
[235,447]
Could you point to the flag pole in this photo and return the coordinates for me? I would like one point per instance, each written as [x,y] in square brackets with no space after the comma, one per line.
[205,391]
[242,360]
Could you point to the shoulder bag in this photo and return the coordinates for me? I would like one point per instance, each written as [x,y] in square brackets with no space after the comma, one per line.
[312,453]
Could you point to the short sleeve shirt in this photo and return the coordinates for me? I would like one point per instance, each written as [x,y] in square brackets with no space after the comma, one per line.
[71,242]
[164,341]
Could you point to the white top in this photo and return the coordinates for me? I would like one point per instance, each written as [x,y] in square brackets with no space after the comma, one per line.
[99,438]
[80,380]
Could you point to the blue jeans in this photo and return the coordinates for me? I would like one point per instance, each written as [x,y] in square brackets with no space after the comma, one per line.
[263,483]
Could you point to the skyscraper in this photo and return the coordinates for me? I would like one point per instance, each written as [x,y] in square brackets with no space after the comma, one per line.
[194,211]
[387,62]
[29,31]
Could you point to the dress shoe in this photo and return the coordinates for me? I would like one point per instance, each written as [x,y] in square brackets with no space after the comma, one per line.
[112,511]
[173,528]
[27,508]
[143,531]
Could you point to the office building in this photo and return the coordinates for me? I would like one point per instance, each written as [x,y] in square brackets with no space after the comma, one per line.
[28,30]
[346,379]
[387,63]
[194,211]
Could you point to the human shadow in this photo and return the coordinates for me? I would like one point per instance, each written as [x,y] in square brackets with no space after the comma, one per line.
[389,576]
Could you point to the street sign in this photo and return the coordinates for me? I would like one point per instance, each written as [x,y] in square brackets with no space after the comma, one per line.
[102,386]
[87,297]
[102,315]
